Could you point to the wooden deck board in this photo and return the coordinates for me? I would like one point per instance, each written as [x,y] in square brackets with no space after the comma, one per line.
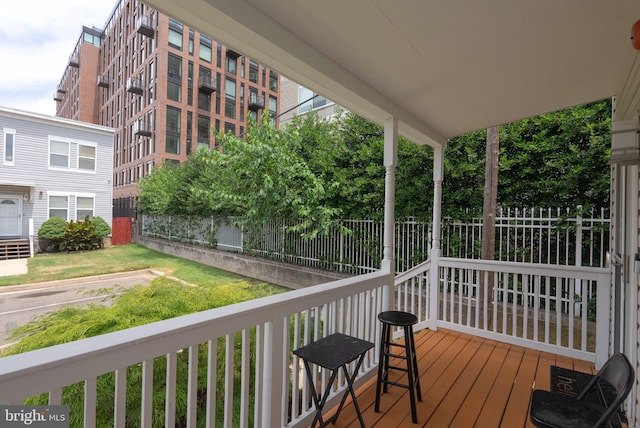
[466,381]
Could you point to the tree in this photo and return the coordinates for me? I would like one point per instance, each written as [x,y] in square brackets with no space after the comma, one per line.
[557,159]
[263,177]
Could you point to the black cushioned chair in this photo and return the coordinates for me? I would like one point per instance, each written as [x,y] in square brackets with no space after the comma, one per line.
[611,385]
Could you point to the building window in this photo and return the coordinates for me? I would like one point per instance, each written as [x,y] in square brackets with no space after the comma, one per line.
[59,207]
[230,89]
[173,145]
[174,91]
[273,105]
[232,64]
[175,34]
[273,81]
[58,154]
[9,146]
[229,128]
[204,101]
[253,72]
[84,207]
[191,36]
[309,100]
[230,108]
[204,131]
[86,157]
[173,120]
[175,67]
[205,52]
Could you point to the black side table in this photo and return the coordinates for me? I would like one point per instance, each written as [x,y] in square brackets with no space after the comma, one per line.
[332,352]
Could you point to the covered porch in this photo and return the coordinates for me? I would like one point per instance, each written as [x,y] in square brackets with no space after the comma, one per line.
[428,71]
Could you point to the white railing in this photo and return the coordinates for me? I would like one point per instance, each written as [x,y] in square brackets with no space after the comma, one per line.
[545,307]
[237,361]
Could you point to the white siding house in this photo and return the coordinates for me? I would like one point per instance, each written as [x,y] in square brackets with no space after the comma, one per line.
[51,166]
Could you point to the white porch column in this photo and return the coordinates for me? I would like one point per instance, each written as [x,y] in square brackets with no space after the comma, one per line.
[390,163]
[434,254]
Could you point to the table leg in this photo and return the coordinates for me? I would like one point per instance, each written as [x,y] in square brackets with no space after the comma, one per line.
[314,394]
[350,380]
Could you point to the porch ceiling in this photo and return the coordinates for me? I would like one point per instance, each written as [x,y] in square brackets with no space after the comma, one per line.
[443,68]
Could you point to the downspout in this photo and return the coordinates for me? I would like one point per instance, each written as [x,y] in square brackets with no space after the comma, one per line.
[390,163]
[434,254]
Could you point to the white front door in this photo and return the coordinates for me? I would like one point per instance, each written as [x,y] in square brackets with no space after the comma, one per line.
[10,216]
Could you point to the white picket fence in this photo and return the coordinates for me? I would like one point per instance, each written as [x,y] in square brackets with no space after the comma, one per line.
[543,236]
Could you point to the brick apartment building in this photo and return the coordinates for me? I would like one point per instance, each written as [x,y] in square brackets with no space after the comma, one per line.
[163,86]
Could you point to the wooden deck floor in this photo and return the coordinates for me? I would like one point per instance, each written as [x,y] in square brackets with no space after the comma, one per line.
[466,381]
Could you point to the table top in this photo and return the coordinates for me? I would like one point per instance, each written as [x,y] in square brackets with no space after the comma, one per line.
[333,351]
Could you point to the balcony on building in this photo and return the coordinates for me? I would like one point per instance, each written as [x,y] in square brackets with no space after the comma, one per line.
[102,82]
[74,61]
[144,26]
[142,128]
[206,84]
[255,102]
[134,85]
[57,96]
[62,89]
[232,54]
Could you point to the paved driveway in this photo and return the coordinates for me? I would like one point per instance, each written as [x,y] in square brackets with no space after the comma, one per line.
[20,303]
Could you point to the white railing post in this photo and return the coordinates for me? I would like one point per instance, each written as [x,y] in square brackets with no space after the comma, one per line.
[273,404]
[390,163]
[603,318]
[31,235]
[434,254]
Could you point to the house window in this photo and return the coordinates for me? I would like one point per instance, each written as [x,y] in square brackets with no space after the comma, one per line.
[84,207]
[59,207]
[9,146]
[86,157]
[58,154]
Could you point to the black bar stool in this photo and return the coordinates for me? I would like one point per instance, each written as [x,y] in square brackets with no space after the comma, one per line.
[405,320]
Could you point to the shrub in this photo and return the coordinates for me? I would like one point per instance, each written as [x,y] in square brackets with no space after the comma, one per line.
[52,229]
[51,234]
[102,228]
[80,235]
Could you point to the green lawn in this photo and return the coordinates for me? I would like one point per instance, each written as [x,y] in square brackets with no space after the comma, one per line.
[163,298]
[120,258]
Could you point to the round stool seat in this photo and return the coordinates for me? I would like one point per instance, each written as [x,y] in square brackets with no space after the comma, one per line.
[397,318]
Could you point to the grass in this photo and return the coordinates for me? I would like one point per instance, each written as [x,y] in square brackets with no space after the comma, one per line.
[120,258]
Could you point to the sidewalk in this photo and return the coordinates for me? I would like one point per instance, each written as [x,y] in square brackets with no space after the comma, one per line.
[13,267]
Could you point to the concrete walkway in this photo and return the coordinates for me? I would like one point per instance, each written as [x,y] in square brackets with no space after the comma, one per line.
[13,267]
